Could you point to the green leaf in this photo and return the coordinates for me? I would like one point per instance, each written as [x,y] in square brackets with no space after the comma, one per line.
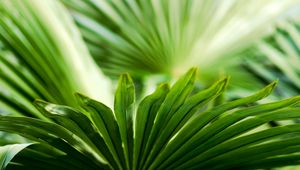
[144,120]
[103,118]
[184,113]
[199,121]
[172,128]
[146,37]
[44,60]
[230,126]
[8,152]
[124,112]
[52,134]
[81,126]
[174,99]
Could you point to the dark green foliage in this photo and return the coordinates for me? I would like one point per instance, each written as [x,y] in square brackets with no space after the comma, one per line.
[170,129]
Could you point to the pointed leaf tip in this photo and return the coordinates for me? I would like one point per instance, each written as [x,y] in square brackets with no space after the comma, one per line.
[82,99]
[193,71]
[269,88]
[125,77]
[125,85]
[223,83]
[225,80]
[274,83]
[40,103]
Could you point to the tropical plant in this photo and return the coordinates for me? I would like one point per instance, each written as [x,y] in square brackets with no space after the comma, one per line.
[169,129]
[44,57]
[170,36]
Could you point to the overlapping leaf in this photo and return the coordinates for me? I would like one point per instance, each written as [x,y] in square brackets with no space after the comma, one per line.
[171,128]
[43,56]
[170,36]
[8,152]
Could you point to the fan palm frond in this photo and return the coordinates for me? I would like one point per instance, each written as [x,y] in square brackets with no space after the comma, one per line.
[170,36]
[171,128]
[44,57]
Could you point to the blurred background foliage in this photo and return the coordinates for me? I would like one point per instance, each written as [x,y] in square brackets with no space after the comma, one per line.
[159,40]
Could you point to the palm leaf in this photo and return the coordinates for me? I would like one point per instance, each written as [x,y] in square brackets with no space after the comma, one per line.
[8,152]
[142,37]
[43,59]
[169,129]
[278,56]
